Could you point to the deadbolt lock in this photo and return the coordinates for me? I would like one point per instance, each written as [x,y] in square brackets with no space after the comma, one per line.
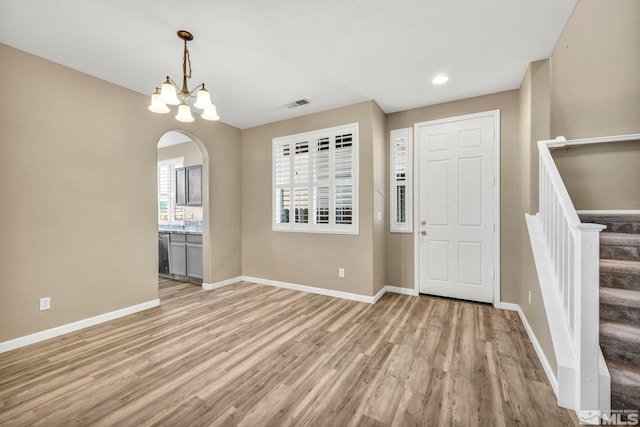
[423,222]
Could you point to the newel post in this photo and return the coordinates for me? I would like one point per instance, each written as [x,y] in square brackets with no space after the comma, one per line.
[587,315]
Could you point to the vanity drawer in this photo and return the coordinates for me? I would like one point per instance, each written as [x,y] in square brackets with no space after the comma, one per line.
[175,237]
[194,238]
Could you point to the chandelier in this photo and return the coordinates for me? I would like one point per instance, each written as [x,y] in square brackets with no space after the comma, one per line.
[169,92]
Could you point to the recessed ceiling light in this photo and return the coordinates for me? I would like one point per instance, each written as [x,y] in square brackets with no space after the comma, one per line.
[438,80]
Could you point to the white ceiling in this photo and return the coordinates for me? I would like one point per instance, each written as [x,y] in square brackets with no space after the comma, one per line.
[257,56]
[172,138]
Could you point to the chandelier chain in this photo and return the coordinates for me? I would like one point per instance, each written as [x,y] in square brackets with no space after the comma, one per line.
[187,61]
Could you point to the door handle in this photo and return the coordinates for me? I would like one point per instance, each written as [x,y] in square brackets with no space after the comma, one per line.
[423,232]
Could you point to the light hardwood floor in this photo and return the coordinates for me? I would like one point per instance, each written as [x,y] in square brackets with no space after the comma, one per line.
[254,355]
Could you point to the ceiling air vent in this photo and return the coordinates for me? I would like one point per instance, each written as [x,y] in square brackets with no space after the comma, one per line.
[298,103]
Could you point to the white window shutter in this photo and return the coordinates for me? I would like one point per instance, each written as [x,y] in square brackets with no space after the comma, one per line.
[319,193]
[168,212]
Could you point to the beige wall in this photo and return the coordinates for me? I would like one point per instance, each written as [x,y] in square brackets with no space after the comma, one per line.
[602,176]
[400,245]
[192,155]
[596,83]
[308,258]
[380,198]
[596,92]
[78,182]
[534,126]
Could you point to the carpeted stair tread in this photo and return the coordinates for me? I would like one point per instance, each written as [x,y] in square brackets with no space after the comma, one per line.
[617,223]
[620,342]
[621,297]
[591,217]
[620,305]
[619,239]
[625,386]
[623,274]
[620,246]
[622,266]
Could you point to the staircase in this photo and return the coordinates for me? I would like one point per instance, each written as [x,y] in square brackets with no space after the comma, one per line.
[620,305]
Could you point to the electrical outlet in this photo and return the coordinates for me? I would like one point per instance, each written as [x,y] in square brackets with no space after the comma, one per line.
[45,303]
[529,297]
[341,272]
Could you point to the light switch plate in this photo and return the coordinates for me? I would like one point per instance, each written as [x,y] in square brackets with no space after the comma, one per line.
[45,303]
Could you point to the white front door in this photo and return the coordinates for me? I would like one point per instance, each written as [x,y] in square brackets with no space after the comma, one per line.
[455,222]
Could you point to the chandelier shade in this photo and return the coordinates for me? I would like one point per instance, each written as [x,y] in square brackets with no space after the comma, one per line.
[170,94]
[157,106]
[210,114]
[203,99]
[184,114]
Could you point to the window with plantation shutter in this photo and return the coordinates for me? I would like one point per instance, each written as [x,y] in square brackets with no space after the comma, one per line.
[315,181]
[168,212]
[400,168]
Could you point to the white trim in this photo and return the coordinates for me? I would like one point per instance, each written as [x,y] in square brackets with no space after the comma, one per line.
[313,289]
[496,207]
[560,141]
[402,291]
[221,284]
[75,326]
[379,295]
[558,327]
[496,195]
[509,306]
[536,346]
[610,212]
[394,290]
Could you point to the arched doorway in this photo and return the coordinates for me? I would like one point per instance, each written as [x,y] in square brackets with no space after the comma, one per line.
[183,207]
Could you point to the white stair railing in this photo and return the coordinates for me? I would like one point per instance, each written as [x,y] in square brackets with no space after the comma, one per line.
[567,257]
[573,249]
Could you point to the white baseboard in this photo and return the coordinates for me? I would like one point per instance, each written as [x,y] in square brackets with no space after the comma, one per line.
[507,306]
[222,283]
[329,292]
[536,344]
[72,327]
[379,294]
[611,212]
[313,289]
[399,290]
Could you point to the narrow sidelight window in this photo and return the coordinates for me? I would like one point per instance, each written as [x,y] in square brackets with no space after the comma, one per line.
[400,201]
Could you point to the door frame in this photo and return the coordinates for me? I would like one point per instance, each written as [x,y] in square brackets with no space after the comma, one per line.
[495,114]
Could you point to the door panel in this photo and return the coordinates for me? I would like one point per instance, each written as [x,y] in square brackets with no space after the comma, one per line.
[438,196]
[438,268]
[455,208]
[470,192]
